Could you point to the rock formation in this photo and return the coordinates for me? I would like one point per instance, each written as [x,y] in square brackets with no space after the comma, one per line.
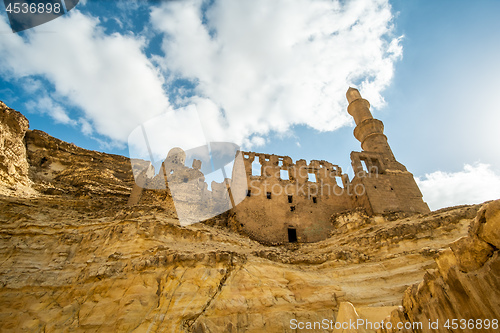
[13,162]
[465,285]
[75,257]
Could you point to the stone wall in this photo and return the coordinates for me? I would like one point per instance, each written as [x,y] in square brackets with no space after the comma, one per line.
[288,202]
[186,187]
[385,185]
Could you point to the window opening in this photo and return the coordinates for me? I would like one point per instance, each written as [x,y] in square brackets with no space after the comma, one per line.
[339,181]
[292,235]
[256,167]
[284,174]
[312,177]
[290,198]
[269,195]
[364,165]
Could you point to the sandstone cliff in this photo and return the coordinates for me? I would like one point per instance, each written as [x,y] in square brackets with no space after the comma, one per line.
[75,257]
[13,162]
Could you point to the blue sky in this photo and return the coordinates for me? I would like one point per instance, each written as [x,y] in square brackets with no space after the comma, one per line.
[272,77]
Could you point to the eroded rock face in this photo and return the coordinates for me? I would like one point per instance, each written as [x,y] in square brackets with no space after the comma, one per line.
[96,264]
[13,162]
[60,168]
[466,284]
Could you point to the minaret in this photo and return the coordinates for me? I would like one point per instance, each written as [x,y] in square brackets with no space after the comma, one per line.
[369,131]
[387,185]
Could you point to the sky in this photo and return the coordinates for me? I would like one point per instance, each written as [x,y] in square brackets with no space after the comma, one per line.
[271,76]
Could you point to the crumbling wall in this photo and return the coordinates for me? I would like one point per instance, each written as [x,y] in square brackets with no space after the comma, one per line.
[285,201]
[288,201]
[184,188]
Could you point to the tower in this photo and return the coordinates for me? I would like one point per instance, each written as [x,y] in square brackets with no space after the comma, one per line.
[369,131]
[382,184]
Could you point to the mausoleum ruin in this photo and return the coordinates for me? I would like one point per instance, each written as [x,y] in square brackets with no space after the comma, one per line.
[276,201]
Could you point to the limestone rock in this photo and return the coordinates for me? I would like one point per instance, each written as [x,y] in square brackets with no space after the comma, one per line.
[57,167]
[466,285]
[487,224]
[13,163]
[471,253]
[97,264]
[348,315]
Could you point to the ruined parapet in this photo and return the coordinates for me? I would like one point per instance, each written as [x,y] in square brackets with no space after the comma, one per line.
[191,189]
[291,202]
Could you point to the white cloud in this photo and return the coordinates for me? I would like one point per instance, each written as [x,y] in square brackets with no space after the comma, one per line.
[107,76]
[46,105]
[86,128]
[272,64]
[475,184]
[32,86]
[258,65]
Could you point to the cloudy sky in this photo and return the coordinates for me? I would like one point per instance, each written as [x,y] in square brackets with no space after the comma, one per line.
[271,76]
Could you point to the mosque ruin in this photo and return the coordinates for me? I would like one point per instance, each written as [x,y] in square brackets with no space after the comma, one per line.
[276,201]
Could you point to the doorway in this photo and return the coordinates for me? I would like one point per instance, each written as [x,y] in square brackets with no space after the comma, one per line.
[292,235]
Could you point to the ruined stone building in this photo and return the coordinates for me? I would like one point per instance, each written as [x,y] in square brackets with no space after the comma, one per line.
[275,200]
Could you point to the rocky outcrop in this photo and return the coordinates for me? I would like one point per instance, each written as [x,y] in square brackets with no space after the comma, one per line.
[60,168]
[463,293]
[34,163]
[13,162]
